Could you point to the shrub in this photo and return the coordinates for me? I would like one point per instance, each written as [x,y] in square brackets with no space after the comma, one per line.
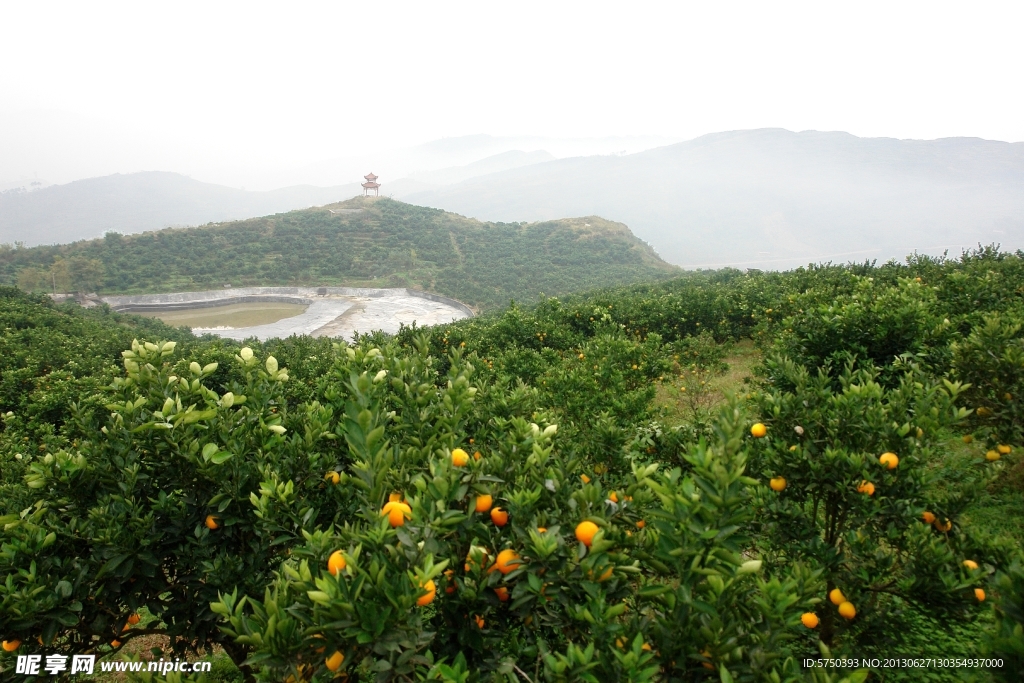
[834,504]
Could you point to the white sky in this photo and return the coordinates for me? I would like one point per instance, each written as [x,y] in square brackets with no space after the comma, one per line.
[216,89]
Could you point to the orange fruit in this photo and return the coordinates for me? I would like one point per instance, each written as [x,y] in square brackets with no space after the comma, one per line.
[460,457]
[928,517]
[499,517]
[641,524]
[332,477]
[333,663]
[479,621]
[507,561]
[448,574]
[645,647]
[944,527]
[396,512]
[847,610]
[992,456]
[980,594]
[866,487]
[477,456]
[395,498]
[585,532]
[1003,448]
[967,438]
[11,645]
[585,478]
[483,503]
[211,522]
[502,593]
[115,643]
[971,564]
[809,619]
[613,497]
[541,529]
[836,596]
[889,460]
[607,574]
[133,619]
[777,484]
[428,598]
[336,562]
[982,411]
[758,430]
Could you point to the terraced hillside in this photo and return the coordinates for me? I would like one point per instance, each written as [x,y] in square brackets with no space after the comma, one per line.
[360,242]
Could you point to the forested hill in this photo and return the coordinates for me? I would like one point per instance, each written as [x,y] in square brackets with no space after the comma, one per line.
[361,242]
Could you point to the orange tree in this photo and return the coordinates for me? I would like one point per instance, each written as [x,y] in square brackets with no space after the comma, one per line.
[991,360]
[237,503]
[850,488]
[460,567]
[153,507]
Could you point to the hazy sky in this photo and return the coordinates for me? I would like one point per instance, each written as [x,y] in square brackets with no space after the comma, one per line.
[215,89]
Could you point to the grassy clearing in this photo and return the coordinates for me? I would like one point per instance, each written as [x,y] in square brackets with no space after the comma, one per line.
[677,407]
[233,315]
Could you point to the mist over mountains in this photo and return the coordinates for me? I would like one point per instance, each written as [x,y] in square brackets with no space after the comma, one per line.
[766,198]
[137,202]
[772,198]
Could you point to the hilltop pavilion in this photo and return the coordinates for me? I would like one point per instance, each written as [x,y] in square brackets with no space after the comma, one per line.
[371,184]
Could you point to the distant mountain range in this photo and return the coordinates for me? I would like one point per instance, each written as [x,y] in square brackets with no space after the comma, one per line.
[138,202]
[765,198]
[773,198]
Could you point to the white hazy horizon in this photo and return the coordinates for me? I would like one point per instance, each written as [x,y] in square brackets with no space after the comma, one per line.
[262,95]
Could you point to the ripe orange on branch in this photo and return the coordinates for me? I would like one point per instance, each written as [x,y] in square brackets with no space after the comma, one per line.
[333,663]
[836,596]
[428,598]
[11,645]
[777,484]
[758,430]
[585,532]
[890,460]
[928,517]
[212,523]
[336,563]
[396,512]
[847,610]
[507,561]
[809,619]
[866,487]
[460,457]
[499,517]
[483,503]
